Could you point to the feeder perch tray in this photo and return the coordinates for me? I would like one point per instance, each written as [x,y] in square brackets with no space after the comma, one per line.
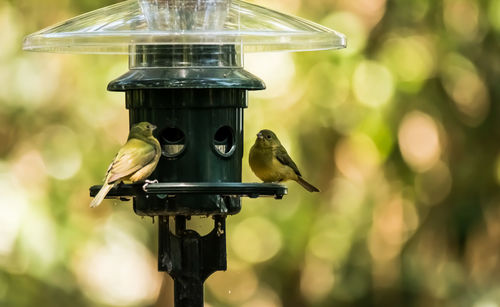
[251,190]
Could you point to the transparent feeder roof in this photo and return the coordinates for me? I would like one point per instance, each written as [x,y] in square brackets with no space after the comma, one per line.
[116,29]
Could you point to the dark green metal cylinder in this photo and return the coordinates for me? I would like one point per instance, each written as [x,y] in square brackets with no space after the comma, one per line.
[198,109]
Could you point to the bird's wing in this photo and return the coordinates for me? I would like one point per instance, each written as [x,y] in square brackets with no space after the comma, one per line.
[284,158]
[134,155]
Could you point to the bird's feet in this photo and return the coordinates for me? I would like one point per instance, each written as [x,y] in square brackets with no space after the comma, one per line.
[148,182]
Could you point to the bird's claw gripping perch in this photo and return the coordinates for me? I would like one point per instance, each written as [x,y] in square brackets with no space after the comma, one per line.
[148,182]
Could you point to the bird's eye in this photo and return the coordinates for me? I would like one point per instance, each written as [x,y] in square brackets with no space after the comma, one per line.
[269,137]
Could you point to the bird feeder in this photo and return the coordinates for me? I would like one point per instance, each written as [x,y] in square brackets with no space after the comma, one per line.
[186,77]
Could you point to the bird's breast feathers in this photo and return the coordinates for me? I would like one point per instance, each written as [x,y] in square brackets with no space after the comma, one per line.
[269,169]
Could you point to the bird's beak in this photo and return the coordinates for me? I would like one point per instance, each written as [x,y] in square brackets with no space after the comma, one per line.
[260,135]
[153,127]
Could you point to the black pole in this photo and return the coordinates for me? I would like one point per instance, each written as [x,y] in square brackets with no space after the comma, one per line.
[188,284]
[188,293]
[190,258]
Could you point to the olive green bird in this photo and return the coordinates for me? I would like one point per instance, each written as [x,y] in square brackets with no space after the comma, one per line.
[135,160]
[271,163]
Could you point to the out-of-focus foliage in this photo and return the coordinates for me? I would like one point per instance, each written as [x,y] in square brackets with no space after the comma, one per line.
[400,131]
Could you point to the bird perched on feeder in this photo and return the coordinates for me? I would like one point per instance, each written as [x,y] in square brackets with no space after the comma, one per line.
[135,160]
[271,163]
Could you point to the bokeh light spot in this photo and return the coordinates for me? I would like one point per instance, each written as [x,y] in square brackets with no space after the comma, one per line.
[467,89]
[377,128]
[347,195]
[461,17]
[26,72]
[256,239]
[485,303]
[118,272]
[330,245]
[39,240]
[434,185]
[370,11]
[317,280]
[494,14]
[419,142]
[357,157]
[373,84]
[411,59]
[277,69]
[326,75]
[60,151]
[353,28]
[264,298]
[393,222]
[331,238]
[14,205]
[234,286]
[11,30]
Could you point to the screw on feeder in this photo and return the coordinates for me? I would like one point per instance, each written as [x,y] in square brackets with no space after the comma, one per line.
[186,77]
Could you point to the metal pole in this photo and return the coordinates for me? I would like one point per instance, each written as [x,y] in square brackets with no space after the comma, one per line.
[190,258]
[188,285]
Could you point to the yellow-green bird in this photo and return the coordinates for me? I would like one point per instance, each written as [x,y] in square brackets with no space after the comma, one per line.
[271,163]
[135,160]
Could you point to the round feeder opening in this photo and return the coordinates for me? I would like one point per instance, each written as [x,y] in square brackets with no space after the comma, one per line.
[224,141]
[173,142]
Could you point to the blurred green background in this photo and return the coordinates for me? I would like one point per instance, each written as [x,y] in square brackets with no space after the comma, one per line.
[400,131]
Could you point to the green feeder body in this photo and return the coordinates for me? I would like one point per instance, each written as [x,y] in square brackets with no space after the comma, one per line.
[199,114]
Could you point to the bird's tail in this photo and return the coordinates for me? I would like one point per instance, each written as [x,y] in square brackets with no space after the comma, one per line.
[100,196]
[307,185]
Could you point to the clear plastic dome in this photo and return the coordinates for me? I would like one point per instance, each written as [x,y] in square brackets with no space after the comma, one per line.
[119,28]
